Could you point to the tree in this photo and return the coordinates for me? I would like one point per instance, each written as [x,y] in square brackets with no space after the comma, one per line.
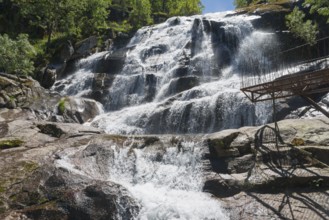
[16,55]
[240,3]
[93,17]
[141,14]
[68,16]
[184,7]
[318,6]
[305,30]
[48,14]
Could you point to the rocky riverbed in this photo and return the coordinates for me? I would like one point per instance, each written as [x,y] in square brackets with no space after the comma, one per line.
[243,168]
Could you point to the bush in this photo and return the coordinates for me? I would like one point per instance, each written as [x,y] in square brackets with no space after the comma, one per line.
[16,55]
[305,30]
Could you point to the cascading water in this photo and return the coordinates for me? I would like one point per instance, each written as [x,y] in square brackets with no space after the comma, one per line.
[79,83]
[165,179]
[182,76]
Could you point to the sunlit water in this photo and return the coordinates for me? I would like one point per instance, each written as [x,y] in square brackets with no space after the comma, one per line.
[152,94]
[166,182]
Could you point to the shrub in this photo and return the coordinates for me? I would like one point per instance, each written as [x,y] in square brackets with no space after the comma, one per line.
[305,30]
[16,55]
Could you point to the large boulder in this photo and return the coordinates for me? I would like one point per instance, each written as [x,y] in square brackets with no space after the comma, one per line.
[250,159]
[77,110]
[47,77]
[26,93]
[29,100]
[229,143]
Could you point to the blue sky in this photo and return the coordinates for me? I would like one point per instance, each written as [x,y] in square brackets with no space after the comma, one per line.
[217,5]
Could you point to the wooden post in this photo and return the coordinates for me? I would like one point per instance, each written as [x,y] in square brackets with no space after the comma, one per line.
[315,105]
[275,122]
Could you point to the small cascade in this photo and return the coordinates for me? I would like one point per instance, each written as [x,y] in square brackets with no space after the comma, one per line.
[165,179]
[181,76]
[79,83]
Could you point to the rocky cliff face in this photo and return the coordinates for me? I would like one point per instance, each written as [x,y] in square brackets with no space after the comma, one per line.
[26,97]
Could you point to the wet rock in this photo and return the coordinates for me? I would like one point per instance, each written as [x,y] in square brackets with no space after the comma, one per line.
[64,52]
[182,84]
[85,47]
[181,71]
[47,77]
[101,85]
[153,51]
[40,103]
[2,103]
[150,87]
[105,201]
[111,63]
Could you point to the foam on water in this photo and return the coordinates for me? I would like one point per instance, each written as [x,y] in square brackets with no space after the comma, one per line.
[167,183]
[159,51]
[79,83]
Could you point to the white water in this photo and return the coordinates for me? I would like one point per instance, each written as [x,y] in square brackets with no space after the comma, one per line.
[153,95]
[79,83]
[166,182]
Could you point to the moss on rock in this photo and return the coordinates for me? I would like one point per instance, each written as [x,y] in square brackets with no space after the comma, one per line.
[51,129]
[6,144]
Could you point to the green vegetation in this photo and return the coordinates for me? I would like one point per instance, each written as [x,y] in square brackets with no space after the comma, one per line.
[246,3]
[29,166]
[320,7]
[296,21]
[68,16]
[241,3]
[49,23]
[61,106]
[305,30]
[16,55]
[6,144]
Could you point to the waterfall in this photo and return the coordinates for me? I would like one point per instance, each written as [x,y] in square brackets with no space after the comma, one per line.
[79,83]
[181,76]
[166,179]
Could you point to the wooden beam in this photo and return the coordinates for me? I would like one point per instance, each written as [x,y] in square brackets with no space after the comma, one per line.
[316,106]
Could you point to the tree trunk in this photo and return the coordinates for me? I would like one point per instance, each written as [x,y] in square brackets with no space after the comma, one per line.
[49,33]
